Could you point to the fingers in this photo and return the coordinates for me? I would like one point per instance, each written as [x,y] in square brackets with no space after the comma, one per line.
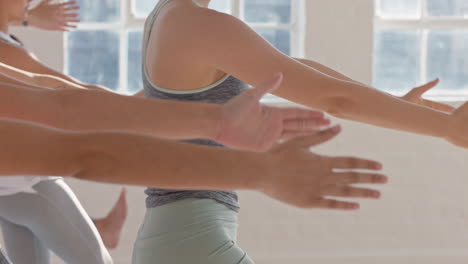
[266,87]
[317,138]
[424,88]
[354,163]
[305,125]
[70,8]
[68,16]
[288,135]
[351,192]
[346,178]
[301,122]
[67,4]
[336,205]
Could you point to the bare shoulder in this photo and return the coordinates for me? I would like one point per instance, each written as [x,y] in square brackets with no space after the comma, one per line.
[202,25]
[216,24]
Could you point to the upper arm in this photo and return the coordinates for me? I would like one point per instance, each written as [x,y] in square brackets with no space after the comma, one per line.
[233,47]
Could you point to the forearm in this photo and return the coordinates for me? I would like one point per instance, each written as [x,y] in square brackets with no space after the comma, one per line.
[77,109]
[93,110]
[326,70]
[112,157]
[148,161]
[354,101]
[33,149]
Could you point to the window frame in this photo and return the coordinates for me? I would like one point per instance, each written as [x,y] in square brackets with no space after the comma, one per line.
[131,21]
[424,23]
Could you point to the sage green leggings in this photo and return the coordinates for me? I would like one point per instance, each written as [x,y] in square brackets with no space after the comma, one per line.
[190,231]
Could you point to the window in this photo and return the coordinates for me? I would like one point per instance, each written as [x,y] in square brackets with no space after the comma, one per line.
[419,40]
[106,48]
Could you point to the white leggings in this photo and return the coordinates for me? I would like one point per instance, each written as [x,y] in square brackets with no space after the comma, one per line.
[51,219]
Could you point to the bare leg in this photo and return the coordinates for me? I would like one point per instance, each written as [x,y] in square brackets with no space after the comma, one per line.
[110,227]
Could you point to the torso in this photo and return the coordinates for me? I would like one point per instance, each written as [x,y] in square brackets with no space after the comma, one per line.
[168,83]
[172,54]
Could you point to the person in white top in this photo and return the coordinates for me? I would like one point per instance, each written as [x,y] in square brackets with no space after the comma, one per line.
[26,192]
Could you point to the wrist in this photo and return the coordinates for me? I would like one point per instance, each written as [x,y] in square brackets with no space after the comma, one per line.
[255,171]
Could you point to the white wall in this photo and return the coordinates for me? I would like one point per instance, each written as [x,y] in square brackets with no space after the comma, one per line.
[422,216]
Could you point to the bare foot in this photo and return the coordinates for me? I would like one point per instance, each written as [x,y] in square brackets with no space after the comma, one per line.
[111,226]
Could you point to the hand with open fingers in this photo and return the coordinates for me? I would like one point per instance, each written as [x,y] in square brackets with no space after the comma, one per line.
[301,178]
[415,96]
[248,124]
[54,16]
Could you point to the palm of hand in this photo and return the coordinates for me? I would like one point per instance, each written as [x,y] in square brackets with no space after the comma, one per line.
[59,16]
[246,124]
[309,190]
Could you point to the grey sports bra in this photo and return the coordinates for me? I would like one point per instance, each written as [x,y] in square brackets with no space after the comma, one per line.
[220,92]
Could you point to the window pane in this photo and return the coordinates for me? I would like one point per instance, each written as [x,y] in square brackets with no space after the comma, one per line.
[93,11]
[399,8]
[397,60]
[134,62]
[448,59]
[144,7]
[281,39]
[268,11]
[93,57]
[457,8]
[221,5]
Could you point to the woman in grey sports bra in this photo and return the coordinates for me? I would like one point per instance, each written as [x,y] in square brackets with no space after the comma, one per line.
[189,226]
[197,227]
[200,227]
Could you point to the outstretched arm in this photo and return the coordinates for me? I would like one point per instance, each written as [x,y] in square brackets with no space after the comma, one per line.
[413,96]
[241,123]
[289,172]
[209,36]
